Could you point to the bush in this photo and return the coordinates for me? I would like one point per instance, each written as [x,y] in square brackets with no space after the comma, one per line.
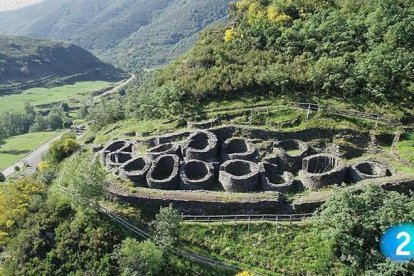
[106,112]
[62,148]
[355,223]
[15,202]
[85,176]
[166,228]
[139,258]
[2,177]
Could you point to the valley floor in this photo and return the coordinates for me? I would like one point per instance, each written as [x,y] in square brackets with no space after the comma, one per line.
[16,148]
[46,96]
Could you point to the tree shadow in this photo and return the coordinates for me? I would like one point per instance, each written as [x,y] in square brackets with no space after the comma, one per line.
[14,152]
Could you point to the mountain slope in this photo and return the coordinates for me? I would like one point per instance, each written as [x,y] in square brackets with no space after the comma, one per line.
[24,60]
[353,52]
[100,26]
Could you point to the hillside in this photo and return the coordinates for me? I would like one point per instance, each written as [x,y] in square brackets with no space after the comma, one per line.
[25,60]
[358,54]
[132,27]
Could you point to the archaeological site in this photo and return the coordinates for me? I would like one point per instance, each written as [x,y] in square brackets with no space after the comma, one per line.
[230,169]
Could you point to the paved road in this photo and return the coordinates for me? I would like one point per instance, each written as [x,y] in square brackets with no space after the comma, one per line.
[32,159]
[35,157]
[116,89]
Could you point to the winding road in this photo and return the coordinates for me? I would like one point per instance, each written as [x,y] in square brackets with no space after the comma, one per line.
[35,157]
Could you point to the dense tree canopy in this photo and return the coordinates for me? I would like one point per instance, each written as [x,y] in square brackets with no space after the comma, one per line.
[330,48]
[355,223]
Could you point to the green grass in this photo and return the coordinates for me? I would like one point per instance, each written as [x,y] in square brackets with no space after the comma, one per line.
[299,249]
[17,147]
[406,148]
[142,128]
[46,96]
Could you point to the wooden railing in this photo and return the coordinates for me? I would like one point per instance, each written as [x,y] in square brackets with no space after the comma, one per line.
[247,218]
[310,107]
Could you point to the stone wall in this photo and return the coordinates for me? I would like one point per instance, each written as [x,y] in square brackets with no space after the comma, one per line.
[183,202]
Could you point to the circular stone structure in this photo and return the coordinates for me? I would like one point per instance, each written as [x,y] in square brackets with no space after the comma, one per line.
[136,170]
[291,152]
[118,145]
[163,149]
[116,159]
[273,179]
[322,170]
[163,173]
[196,175]
[201,145]
[238,148]
[239,176]
[367,170]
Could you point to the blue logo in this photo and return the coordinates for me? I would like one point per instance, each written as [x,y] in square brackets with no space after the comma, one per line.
[397,242]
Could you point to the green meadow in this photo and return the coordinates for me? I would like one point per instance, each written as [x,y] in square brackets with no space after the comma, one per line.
[17,147]
[45,96]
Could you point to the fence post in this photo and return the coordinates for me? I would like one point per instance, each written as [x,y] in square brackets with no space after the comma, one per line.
[277,222]
[309,109]
[248,228]
[290,219]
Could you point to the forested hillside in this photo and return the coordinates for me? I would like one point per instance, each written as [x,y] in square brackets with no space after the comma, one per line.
[144,33]
[354,51]
[25,60]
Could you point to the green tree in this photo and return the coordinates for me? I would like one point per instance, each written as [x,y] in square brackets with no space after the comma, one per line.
[40,124]
[355,223]
[62,148]
[166,228]
[64,107]
[85,177]
[106,112]
[56,118]
[139,258]
[2,177]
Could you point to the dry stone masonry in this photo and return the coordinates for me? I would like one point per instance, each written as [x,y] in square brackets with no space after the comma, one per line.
[201,145]
[196,175]
[164,173]
[239,176]
[239,148]
[367,170]
[321,170]
[231,160]
[136,170]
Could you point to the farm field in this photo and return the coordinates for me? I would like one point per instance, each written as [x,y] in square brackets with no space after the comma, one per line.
[45,96]
[17,147]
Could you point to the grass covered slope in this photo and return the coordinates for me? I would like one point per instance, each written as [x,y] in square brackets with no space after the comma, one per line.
[24,60]
[352,51]
[42,96]
[144,33]
[17,147]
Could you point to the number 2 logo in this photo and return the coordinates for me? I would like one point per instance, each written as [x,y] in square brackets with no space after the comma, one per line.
[400,251]
[396,243]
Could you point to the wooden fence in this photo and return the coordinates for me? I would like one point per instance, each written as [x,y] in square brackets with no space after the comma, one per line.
[247,218]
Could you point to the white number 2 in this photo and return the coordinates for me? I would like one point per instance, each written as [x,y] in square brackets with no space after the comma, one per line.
[400,248]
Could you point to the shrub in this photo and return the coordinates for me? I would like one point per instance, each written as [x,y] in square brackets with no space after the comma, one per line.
[355,223]
[166,228]
[139,258]
[86,178]
[62,148]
